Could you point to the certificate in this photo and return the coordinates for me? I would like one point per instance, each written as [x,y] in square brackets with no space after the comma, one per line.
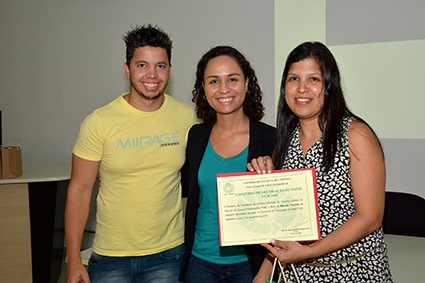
[255,208]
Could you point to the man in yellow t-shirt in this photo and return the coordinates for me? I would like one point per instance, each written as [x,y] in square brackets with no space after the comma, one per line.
[137,145]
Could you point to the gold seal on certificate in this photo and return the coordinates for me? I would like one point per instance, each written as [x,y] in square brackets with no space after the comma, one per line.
[254,208]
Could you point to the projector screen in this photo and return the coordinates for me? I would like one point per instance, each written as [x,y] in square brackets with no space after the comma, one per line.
[379,52]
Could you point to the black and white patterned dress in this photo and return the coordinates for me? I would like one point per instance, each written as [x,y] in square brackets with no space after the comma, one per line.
[365,260]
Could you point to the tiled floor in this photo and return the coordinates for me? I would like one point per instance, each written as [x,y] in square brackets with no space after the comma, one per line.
[405,255]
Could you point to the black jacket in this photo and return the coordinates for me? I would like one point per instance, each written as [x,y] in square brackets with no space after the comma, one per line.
[261,142]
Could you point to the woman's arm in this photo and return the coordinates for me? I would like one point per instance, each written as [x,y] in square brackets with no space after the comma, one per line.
[265,270]
[367,169]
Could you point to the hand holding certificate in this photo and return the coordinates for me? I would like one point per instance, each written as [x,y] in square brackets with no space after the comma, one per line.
[254,208]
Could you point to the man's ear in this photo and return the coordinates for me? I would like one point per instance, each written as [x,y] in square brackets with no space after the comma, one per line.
[127,70]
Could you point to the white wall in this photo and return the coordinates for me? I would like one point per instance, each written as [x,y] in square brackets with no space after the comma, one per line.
[378,46]
[59,59]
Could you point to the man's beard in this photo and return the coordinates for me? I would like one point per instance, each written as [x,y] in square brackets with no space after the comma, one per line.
[152,98]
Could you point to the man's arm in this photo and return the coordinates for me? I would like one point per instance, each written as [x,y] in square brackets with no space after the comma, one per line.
[77,209]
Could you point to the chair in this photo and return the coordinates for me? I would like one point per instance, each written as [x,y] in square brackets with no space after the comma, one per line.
[404,214]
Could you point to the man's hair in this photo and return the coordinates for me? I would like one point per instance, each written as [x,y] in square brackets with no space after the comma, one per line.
[147,35]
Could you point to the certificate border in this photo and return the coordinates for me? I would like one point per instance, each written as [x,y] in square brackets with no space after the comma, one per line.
[238,174]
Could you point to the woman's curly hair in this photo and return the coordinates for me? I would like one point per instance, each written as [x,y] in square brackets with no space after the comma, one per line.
[252,106]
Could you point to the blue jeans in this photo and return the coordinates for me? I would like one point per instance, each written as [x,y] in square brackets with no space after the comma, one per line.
[162,267]
[199,270]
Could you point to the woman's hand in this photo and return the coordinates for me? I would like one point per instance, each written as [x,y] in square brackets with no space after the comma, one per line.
[288,251]
[261,165]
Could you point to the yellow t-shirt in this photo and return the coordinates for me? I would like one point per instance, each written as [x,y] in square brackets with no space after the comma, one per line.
[139,209]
